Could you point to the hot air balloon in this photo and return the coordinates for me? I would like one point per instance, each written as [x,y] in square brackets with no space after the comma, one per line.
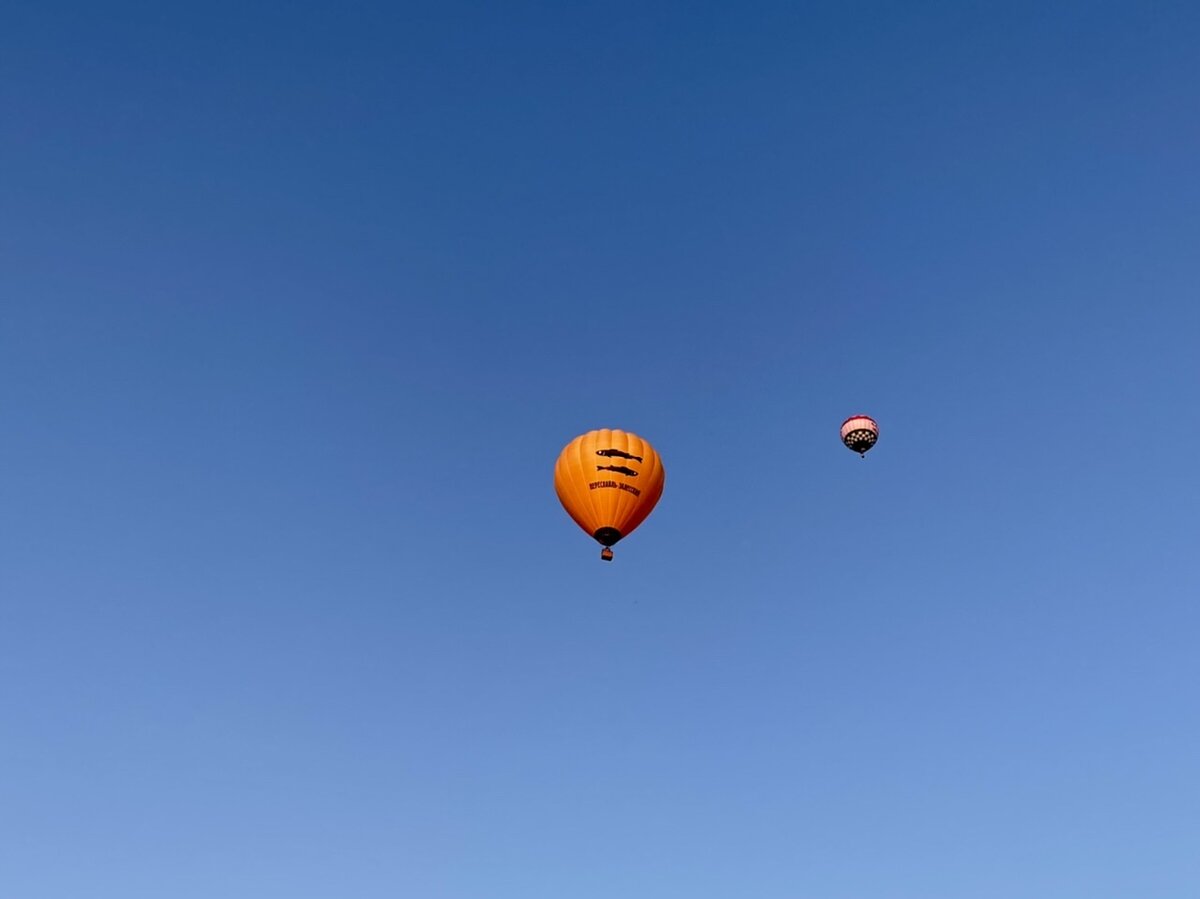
[608,481]
[859,433]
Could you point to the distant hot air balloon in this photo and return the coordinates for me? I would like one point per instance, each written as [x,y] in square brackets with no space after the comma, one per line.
[608,481]
[859,433]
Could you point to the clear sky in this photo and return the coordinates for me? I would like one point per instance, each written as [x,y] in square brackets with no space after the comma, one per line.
[299,303]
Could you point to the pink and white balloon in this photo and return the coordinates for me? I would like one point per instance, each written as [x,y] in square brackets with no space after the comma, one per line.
[859,433]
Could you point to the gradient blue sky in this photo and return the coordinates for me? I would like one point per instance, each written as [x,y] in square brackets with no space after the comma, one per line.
[300,302]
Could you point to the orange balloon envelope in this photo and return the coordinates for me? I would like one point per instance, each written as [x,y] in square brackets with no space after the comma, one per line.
[608,481]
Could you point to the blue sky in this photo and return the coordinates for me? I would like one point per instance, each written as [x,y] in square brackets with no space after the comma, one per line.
[298,305]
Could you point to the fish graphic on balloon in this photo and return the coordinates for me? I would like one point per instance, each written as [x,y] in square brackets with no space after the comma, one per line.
[618,454]
[619,469]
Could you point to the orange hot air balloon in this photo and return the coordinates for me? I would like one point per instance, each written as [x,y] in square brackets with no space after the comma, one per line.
[859,433]
[608,481]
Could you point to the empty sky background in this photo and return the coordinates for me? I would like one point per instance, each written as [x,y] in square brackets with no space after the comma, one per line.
[299,303]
